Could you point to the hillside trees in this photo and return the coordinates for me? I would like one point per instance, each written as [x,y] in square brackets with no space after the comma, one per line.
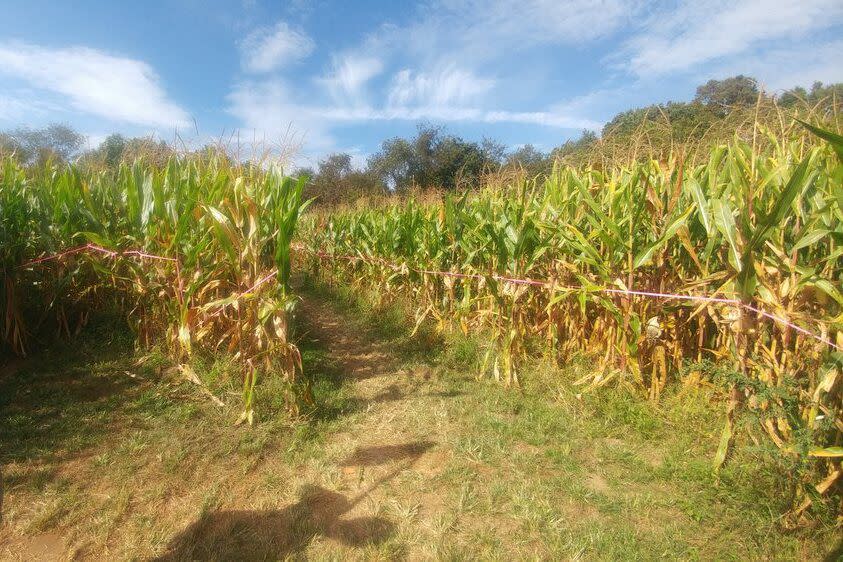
[31,146]
[433,159]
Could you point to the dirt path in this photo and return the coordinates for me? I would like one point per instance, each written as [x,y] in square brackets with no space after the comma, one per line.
[407,457]
[362,491]
[353,491]
[387,462]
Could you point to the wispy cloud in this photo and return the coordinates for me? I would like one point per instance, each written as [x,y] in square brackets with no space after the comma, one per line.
[24,104]
[701,31]
[485,30]
[442,87]
[425,82]
[269,107]
[462,61]
[531,22]
[117,88]
[349,75]
[454,114]
[270,48]
[783,68]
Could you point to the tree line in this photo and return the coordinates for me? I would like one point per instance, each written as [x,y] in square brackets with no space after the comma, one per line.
[437,159]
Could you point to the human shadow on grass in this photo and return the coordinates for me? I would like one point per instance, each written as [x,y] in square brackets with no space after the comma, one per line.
[276,534]
[279,533]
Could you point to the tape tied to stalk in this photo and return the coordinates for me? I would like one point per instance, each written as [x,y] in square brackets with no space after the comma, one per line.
[627,292]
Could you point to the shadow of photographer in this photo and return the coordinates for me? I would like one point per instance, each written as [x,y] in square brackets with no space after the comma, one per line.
[273,534]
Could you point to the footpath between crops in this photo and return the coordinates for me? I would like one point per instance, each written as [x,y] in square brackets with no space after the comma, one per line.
[465,469]
[408,457]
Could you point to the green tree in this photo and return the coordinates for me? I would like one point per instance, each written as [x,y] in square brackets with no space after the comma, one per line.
[395,164]
[433,159]
[457,163]
[575,150]
[112,149]
[56,141]
[528,158]
[738,90]
[827,96]
[336,181]
[494,152]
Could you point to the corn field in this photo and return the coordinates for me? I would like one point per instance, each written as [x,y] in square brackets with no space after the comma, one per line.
[196,254]
[757,224]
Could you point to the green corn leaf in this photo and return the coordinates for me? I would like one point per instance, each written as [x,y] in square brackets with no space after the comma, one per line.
[647,253]
[725,222]
[226,233]
[827,452]
[702,205]
[835,140]
[723,447]
[799,179]
[828,288]
[811,238]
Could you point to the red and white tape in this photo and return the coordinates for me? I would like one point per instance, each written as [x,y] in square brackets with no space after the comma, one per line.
[512,280]
[626,292]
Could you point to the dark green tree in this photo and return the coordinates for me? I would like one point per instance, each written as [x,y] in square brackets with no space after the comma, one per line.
[395,164]
[112,149]
[433,159]
[725,94]
[575,150]
[825,95]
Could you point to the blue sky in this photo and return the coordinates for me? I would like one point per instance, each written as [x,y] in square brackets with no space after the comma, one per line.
[341,76]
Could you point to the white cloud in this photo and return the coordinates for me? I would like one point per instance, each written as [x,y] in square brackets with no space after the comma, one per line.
[473,31]
[443,87]
[451,114]
[24,105]
[269,109]
[783,68]
[93,140]
[547,118]
[701,31]
[12,108]
[349,75]
[427,81]
[117,88]
[537,21]
[270,48]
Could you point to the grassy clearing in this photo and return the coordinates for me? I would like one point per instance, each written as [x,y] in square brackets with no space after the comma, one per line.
[407,456]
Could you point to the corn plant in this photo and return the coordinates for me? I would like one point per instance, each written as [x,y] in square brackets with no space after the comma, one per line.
[757,226]
[197,252]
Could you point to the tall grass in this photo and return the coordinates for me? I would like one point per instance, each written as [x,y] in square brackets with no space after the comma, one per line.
[200,257]
[759,222]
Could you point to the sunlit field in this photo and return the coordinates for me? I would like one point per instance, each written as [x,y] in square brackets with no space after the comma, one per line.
[642,331]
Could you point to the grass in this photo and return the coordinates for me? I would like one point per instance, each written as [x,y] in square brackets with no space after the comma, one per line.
[603,472]
[98,439]
[417,459]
